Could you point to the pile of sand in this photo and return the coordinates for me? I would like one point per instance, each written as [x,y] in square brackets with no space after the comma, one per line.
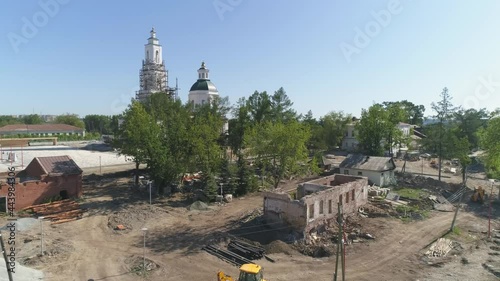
[198,206]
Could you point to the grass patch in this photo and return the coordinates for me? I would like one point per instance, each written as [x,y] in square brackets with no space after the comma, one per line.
[410,212]
[412,193]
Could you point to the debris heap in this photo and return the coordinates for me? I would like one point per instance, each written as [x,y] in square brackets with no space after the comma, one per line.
[58,212]
[440,248]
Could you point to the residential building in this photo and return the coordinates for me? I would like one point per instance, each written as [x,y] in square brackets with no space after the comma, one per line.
[44,178]
[378,170]
[317,202]
[41,130]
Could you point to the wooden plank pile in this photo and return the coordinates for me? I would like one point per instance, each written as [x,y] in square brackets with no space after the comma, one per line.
[58,212]
[227,256]
[440,248]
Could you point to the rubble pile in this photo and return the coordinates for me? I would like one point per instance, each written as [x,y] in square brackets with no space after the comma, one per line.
[430,184]
[440,248]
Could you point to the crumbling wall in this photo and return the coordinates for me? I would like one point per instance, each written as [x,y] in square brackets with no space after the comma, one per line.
[279,207]
[323,206]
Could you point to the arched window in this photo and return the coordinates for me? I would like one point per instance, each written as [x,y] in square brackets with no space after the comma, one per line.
[147,55]
[156,56]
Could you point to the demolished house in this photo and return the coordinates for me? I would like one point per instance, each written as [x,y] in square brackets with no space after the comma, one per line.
[316,203]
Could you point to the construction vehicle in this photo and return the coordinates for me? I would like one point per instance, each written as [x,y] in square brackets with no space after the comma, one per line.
[248,272]
[478,195]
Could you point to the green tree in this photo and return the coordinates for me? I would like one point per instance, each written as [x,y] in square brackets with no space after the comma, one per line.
[32,119]
[280,148]
[469,122]
[489,141]
[70,119]
[259,107]
[9,120]
[317,141]
[238,126]
[444,110]
[334,126]
[372,129]
[135,135]
[413,114]
[101,124]
[281,107]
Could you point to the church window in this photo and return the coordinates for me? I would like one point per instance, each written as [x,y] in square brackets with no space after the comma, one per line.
[147,55]
[156,58]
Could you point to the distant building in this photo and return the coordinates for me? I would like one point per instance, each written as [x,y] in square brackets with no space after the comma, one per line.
[44,178]
[350,142]
[41,130]
[378,170]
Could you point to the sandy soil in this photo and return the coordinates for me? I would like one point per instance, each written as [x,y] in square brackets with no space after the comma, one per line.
[90,248]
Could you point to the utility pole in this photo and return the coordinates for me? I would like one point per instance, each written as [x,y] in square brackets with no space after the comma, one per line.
[7,265]
[41,233]
[150,202]
[144,252]
[489,209]
[340,245]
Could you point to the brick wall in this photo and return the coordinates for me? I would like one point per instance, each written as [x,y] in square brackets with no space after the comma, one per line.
[35,192]
[318,208]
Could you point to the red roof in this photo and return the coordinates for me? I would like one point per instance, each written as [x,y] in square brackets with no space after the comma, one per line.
[58,165]
[39,128]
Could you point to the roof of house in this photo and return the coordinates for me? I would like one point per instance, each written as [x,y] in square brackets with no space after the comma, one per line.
[39,128]
[369,163]
[58,165]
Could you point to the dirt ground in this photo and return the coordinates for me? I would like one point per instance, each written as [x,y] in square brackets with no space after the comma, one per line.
[90,248]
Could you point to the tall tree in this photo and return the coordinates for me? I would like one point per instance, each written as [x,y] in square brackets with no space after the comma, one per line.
[280,148]
[413,114]
[281,107]
[135,135]
[238,125]
[98,124]
[70,119]
[489,140]
[372,129]
[334,125]
[468,122]
[444,110]
[259,107]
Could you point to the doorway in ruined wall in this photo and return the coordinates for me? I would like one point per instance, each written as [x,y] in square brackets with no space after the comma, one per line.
[3,204]
[64,194]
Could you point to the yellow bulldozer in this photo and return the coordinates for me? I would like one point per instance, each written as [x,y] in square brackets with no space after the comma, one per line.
[478,195]
[248,272]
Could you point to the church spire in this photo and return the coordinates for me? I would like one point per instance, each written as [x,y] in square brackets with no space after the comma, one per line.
[153,32]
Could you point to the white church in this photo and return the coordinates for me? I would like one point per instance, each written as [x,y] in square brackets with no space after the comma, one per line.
[154,77]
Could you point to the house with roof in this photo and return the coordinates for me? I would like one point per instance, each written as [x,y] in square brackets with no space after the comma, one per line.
[378,170]
[41,130]
[44,178]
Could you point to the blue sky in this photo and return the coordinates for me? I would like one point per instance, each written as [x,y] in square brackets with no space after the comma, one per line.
[85,58]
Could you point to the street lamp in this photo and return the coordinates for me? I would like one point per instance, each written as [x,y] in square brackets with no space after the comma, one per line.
[41,233]
[144,230]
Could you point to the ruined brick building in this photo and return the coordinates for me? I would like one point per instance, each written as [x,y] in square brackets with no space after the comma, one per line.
[316,202]
[44,178]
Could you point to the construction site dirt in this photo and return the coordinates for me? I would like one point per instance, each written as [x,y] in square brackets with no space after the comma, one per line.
[95,248]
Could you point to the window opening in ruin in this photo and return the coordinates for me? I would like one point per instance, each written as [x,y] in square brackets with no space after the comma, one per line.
[346,172]
[329,206]
[321,207]
[340,199]
[347,197]
[311,211]
[360,173]
[353,195]
[3,204]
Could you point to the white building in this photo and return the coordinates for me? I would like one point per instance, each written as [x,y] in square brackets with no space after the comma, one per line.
[378,170]
[203,90]
[350,143]
[153,74]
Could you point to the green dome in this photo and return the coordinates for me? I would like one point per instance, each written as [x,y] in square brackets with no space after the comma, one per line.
[203,85]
